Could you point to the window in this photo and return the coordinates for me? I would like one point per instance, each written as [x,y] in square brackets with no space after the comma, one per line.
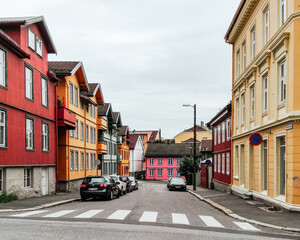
[151,161]
[151,172]
[252,94]
[44,92]
[236,162]
[264,165]
[76,96]
[282,80]
[223,131]
[87,161]
[81,131]
[2,68]
[282,12]
[76,130]
[71,160]
[170,172]
[282,171]
[1,180]
[45,133]
[178,161]
[87,133]
[219,163]
[177,172]
[170,161]
[223,163]
[244,55]
[159,161]
[219,134]
[27,177]
[81,105]
[81,161]
[265,91]
[94,135]
[238,63]
[237,113]
[227,163]
[253,43]
[92,132]
[243,108]
[215,162]
[28,83]
[228,129]
[76,161]
[159,172]
[242,175]
[72,133]
[266,25]
[39,47]
[71,93]
[31,39]
[29,134]
[3,128]
[92,161]
[142,137]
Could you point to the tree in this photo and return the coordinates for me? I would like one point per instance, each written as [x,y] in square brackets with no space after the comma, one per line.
[187,168]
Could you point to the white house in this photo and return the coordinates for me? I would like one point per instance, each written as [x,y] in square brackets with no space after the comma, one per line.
[136,150]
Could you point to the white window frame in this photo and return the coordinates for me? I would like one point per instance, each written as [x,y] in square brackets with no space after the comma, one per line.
[219,163]
[160,172]
[244,55]
[159,161]
[238,63]
[282,12]
[282,81]
[264,165]
[223,163]
[151,161]
[223,132]
[87,161]
[252,101]
[81,161]
[29,134]
[266,25]
[87,133]
[3,68]
[3,127]
[219,134]
[170,161]
[253,43]
[29,93]
[151,172]
[45,134]
[215,135]
[228,125]
[71,90]
[215,162]
[227,163]
[76,161]
[72,157]
[236,161]
[31,39]
[237,111]
[39,46]
[265,92]
[243,108]
[81,131]
[178,161]
[170,172]
[45,92]
[92,161]
[27,177]
[76,96]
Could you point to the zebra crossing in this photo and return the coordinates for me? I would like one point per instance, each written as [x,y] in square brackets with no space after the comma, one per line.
[146,217]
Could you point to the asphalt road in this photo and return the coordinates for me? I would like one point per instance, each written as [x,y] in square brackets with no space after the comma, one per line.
[152,212]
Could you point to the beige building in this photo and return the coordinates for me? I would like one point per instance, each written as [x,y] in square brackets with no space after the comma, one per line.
[265,36]
[202,133]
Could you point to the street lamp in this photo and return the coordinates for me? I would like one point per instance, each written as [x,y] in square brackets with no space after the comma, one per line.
[194,178]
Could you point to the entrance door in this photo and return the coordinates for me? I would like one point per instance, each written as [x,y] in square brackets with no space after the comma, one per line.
[44,181]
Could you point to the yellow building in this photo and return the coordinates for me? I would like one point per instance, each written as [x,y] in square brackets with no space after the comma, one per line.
[123,151]
[77,147]
[187,135]
[265,36]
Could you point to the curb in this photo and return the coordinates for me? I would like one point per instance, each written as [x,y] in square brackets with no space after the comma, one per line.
[229,213]
[47,205]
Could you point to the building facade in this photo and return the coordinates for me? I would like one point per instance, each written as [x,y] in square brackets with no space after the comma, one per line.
[265,85]
[221,142]
[123,151]
[202,132]
[28,139]
[136,155]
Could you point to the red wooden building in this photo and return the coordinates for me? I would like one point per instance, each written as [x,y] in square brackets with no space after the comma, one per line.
[221,128]
[28,146]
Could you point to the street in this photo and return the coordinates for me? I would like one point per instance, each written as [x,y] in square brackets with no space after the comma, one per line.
[171,215]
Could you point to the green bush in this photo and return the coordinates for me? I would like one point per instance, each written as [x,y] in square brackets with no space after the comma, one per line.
[4,197]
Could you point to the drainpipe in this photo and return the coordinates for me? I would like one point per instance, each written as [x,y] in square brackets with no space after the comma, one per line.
[56,137]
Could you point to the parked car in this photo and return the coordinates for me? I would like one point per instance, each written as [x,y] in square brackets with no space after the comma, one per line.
[168,182]
[98,186]
[128,183]
[177,183]
[134,183]
[120,183]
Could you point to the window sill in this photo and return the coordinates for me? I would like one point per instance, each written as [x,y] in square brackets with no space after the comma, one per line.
[4,148]
[264,192]
[29,99]
[30,150]
[281,105]
[265,114]
[45,106]
[3,87]
[45,151]
[252,119]
[236,177]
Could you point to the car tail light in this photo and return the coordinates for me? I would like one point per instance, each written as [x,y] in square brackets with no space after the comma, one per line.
[103,185]
[117,183]
[126,183]
[83,185]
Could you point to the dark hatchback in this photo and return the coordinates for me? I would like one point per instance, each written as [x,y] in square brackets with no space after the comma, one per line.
[98,186]
[177,184]
[129,187]
[134,183]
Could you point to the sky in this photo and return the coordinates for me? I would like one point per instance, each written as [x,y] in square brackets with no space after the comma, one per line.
[150,56]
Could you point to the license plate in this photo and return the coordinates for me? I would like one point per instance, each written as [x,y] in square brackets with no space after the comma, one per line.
[93,189]
[177,186]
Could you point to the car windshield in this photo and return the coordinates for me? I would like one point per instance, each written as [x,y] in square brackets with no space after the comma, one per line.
[115,178]
[95,180]
[177,180]
[131,178]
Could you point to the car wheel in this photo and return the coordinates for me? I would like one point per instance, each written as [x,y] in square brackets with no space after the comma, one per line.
[128,190]
[120,193]
[137,188]
[83,198]
[110,196]
[124,191]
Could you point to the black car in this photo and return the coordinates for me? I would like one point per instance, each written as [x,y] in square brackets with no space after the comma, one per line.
[98,186]
[177,184]
[128,183]
[168,182]
[134,183]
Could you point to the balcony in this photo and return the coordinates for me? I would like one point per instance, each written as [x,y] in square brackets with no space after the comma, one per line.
[102,123]
[66,118]
[102,148]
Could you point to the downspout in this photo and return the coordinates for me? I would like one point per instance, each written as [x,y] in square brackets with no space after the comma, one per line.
[56,138]
[68,142]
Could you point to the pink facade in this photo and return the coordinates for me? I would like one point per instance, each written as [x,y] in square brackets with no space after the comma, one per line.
[162,168]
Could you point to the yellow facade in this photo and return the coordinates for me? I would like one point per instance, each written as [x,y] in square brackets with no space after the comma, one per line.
[183,136]
[265,86]
[123,166]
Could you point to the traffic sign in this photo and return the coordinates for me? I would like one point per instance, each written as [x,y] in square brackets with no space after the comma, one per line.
[255,139]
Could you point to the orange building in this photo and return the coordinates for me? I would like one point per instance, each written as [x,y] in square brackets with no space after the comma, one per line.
[77,145]
[123,151]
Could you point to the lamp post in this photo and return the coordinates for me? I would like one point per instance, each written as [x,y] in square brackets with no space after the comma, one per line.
[194,178]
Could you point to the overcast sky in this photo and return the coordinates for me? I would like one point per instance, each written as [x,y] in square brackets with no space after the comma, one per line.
[150,56]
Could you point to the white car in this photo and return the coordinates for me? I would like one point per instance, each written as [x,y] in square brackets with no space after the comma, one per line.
[121,185]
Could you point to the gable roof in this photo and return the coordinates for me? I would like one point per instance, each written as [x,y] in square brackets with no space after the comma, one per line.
[96,91]
[153,136]
[133,140]
[104,110]
[39,21]
[190,140]
[123,131]
[170,150]
[206,144]
[220,115]
[117,118]
[198,129]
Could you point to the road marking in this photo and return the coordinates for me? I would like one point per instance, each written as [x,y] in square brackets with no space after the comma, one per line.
[211,221]
[59,214]
[119,215]
[148,217]
[88,214]
[180,219]
[26,214]
[246,226]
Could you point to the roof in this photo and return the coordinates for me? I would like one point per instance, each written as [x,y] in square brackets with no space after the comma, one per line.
[206,144]
[132,140]
[123,131]
[219,116]
[96,91]
[153,136]
[198,129]
[39,21]
[190,140]
[104,110]
[170,150]
[14,47]
[116,116]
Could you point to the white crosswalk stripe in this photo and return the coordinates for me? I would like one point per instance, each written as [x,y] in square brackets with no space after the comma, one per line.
[119,214]
[211,221]
[89,214]
[178,218]
[26,214]
[59,214]
[246,226]
[148,217]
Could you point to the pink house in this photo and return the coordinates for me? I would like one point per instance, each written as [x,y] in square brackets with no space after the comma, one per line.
[163,160]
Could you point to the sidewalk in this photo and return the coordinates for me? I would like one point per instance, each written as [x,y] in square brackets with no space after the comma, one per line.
[248,210]
[39,202]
